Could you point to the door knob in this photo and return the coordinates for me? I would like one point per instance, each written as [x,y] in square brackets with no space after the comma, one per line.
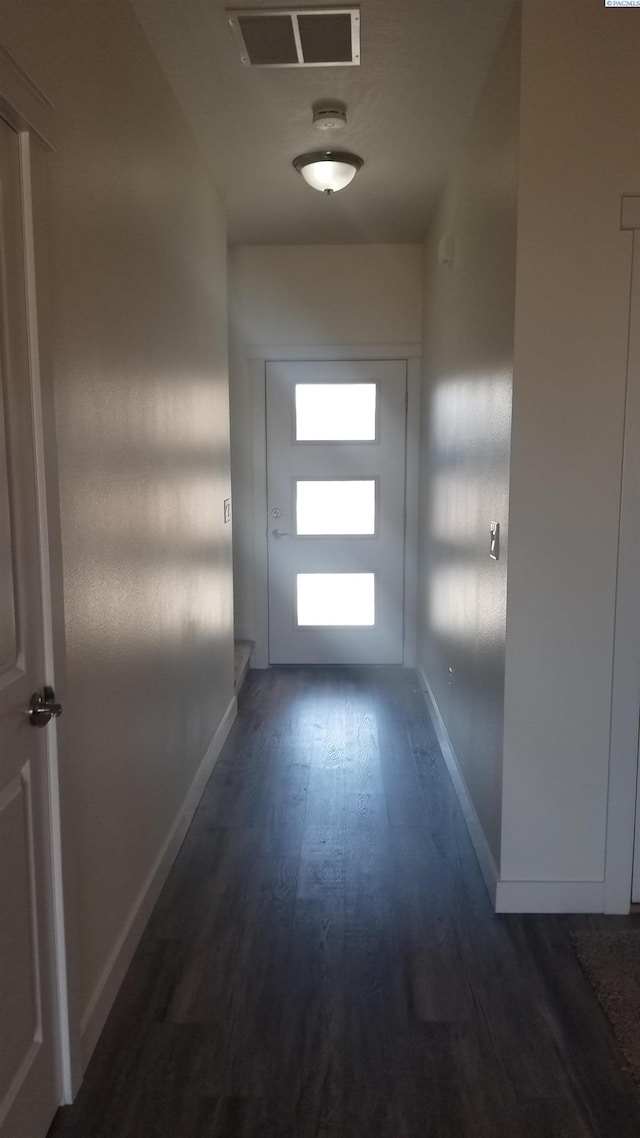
[43,707]
[278,533]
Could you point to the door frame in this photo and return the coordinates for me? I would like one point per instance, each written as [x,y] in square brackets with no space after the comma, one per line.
[26,108]
[258,358]
[625,706]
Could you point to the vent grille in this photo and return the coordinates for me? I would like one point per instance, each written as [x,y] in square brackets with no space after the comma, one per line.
[302,37]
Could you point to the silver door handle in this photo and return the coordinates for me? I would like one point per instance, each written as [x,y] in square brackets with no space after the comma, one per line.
[278,533]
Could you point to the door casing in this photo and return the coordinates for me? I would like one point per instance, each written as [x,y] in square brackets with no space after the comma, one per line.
[622,817]
[260,356]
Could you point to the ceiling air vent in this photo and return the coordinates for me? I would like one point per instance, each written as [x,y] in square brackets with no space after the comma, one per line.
[297,37]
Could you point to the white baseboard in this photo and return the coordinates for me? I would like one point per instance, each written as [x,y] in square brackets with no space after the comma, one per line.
[550,897]
[120,958]
[510,896]
[481,846]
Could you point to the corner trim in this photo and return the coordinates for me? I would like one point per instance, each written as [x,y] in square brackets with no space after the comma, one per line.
[120,957]
[486,860]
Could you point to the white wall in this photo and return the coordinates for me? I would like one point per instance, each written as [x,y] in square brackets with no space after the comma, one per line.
[468,376]
[579,154]
[138,312]
[307,297]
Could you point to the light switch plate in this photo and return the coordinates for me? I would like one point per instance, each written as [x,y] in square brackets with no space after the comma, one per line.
[494,541]
[227,510]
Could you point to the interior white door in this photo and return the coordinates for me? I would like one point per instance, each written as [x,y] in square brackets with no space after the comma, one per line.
[28,1053]
[336,511]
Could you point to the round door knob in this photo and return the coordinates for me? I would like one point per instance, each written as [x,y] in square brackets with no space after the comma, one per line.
[43,707]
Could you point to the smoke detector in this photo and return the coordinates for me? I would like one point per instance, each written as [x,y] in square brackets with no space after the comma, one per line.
[329,116]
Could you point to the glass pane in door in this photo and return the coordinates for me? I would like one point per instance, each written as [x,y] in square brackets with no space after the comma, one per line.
[345,599]
[335,412]
[336,507]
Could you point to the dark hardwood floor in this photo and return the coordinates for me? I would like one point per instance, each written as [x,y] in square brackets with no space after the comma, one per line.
[324,962]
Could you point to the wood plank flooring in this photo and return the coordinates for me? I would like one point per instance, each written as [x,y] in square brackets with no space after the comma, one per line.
[324,962]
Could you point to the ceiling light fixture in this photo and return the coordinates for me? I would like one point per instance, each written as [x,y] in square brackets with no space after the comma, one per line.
[328,170]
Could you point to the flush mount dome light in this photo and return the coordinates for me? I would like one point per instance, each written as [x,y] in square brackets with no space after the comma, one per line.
[328,170]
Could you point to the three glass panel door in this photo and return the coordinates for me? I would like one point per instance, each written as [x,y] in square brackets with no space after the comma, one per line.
[336,489]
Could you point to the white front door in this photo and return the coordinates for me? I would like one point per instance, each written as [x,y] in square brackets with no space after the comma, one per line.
[336,511]
[29,1085]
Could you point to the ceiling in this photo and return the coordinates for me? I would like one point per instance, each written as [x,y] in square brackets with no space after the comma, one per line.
[423,64]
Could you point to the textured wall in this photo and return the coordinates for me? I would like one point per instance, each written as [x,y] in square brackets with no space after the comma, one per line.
[306,296]
[579,154]
[138,268]
[468,377]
